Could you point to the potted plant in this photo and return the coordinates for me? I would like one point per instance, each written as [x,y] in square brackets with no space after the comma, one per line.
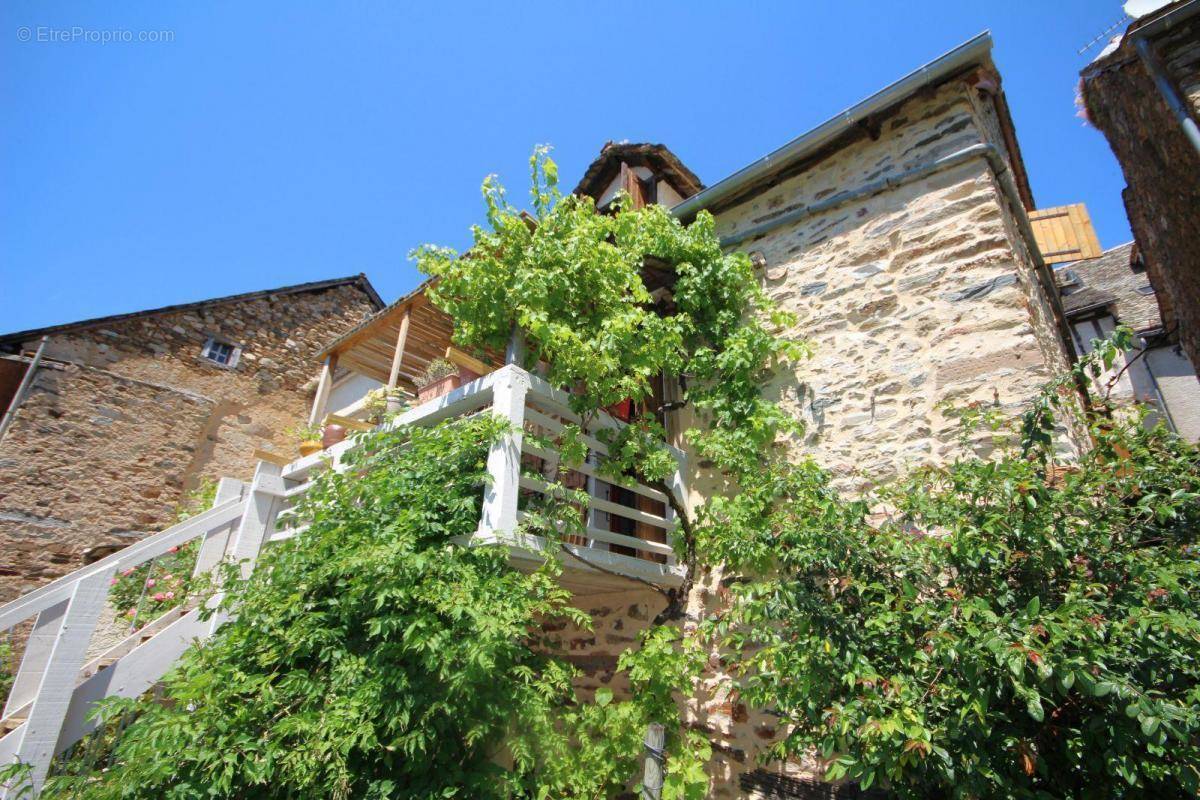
[441,376]
[308,438]
[397,401]
[383,403]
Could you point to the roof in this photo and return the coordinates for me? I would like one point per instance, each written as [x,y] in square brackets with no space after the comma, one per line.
[1114,282]
[339,344]
[369,348]
[853,121]
[656,157]
[359,280]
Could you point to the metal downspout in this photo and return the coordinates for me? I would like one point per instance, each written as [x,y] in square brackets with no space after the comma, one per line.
[1163,83]
[26,380]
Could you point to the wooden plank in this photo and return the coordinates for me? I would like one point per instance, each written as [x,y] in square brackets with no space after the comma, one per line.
[348,423]
[38,646]
[398,357]
[553,425]
[212,548]
[466,361]
[611,537]
[258,514]
[43,597]
[321,399]
[605,505]
[132,675]
[272,458]
[593,472]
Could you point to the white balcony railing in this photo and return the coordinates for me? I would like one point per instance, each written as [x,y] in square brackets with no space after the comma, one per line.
[64,671]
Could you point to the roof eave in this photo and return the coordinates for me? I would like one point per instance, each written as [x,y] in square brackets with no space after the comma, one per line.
[360,280]
[967,54]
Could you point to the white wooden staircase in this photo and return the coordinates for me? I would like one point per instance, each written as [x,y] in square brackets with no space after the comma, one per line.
[60,678]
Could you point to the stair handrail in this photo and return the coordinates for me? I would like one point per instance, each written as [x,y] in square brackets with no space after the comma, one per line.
[220,515]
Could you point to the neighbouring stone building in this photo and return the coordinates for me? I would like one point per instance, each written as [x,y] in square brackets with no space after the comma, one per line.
[1143,93]
[1114,289]
[126,414]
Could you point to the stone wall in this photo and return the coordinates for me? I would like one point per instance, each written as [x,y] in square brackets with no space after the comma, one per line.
[94,460]
[919,299]
[1161,169]
[127,416]
[916,298]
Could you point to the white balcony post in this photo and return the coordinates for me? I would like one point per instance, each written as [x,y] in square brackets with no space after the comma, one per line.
[504,458]
[252,530]
[213,544]
[53,697]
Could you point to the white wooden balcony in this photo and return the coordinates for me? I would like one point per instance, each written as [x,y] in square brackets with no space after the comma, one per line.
[63,673]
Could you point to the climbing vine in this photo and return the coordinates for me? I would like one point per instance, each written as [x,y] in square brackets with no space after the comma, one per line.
[1000,626]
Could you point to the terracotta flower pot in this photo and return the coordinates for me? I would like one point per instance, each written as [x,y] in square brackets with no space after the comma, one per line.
[445,385]
[438,388]
[332,435]
[308,448]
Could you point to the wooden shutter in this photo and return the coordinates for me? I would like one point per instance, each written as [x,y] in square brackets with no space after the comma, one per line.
[631,184]
[1065,233]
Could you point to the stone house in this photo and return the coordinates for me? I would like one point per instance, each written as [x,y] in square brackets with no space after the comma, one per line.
[123,415]
[1114,289]
[1143,93]
[899,233]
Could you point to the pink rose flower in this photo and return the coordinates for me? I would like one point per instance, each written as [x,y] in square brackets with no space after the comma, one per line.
[159,597]
[167,577]
[174,549]
[112,581]
[150,583]
[170,595]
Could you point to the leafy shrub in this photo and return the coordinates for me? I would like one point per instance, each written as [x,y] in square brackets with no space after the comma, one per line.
[374,657]
[998,627]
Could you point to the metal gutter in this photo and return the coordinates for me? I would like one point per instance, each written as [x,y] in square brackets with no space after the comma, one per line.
[861,193]
[1158,73]
[965,55]
[1167,21]
[1008,186]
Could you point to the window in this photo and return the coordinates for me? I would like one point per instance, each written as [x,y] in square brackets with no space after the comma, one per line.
[222,353]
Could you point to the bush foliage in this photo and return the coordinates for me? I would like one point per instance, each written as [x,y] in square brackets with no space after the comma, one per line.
[997,627]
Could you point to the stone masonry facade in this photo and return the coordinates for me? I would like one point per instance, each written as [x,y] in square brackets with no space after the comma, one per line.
[126,416]
[919,299]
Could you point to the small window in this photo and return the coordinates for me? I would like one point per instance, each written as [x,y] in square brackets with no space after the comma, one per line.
[220,352]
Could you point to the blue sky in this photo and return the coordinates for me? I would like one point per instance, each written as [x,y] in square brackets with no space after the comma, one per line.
[273,143]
